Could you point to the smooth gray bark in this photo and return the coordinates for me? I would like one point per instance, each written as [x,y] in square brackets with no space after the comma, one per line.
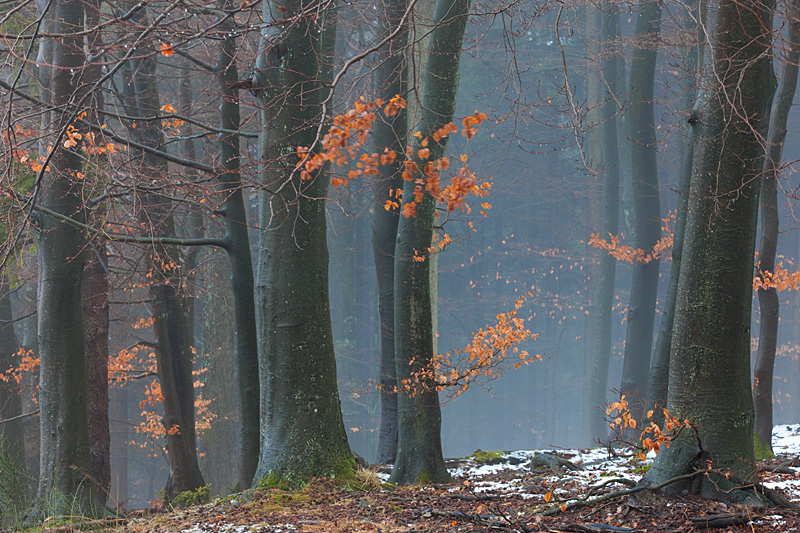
[646,208]
[302,433]
[242,278]
[710,359]
[389,79]
[64,485]
[419,451]
[603,152]
[768,302]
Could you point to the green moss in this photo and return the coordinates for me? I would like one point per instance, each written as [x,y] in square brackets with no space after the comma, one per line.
[484,457]
[275,481]
[641,469]
[762,449]
[190,498]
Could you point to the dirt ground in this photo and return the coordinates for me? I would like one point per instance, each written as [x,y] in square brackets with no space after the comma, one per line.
[512,496]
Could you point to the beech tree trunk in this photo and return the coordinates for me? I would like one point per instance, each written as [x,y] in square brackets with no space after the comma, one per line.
[65,455]
[172,325]
[390,79]
[710,359]
[658,379]
[603,153]
[768,302]
[302,433]
[13,433]
[419,451]
[242,279]
[646,208]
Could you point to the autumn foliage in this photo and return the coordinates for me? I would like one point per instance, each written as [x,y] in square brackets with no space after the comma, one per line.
[652,437]
[482,360]
[629,254]
[349,133]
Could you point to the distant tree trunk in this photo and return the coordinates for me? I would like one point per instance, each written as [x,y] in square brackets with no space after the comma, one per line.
[768,298]
[603,154]
[118,493]
[710,360]
[30,380]
[65,457]
[242,279]
[419,451]
[658,380]
[96,289]
[13,433]
[172,326]
[389,79]
[302,433]
[646,208]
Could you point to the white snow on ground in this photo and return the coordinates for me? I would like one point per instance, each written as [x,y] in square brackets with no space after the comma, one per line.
[597,467]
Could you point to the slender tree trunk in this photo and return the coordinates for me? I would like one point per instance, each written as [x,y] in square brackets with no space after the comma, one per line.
[172,326]
[768,302]
[419,452]
[604,156]
[658,380]
[96,288]
[302,433]
[390,79]
[118,493]
[710,360]
[13,433]
[242,279]
[646,208]
[65,454]
[95,308]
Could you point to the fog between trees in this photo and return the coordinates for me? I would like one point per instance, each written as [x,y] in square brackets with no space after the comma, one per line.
[183,196]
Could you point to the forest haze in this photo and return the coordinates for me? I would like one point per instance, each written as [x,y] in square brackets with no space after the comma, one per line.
[244,241]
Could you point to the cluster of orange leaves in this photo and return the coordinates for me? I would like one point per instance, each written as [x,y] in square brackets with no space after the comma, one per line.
[653,436]
[780,280]
[481,359]
[89,144]
[627,253]
[349,133]
[27,363]
[122,366]
[175,123]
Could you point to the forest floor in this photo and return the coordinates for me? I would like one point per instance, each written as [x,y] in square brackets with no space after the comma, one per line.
[497,491]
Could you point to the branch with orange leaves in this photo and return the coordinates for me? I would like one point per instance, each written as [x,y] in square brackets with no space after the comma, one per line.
[343,144]
[780,280]
[481,361]
[637,255]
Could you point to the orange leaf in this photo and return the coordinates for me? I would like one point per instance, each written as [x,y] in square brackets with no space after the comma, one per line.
[166,49]
[548,497]
[563,507]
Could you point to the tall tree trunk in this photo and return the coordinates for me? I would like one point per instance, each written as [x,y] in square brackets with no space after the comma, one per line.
[710,359]
[658,380]
[419,451]
[302,433]
[13,433]
[389,79]
[604,156]
[768,302]
[65,456]
[96,288]
[242,279]
[646,208]
[172,326]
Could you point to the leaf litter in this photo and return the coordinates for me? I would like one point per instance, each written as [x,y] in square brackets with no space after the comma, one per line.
[522,491]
